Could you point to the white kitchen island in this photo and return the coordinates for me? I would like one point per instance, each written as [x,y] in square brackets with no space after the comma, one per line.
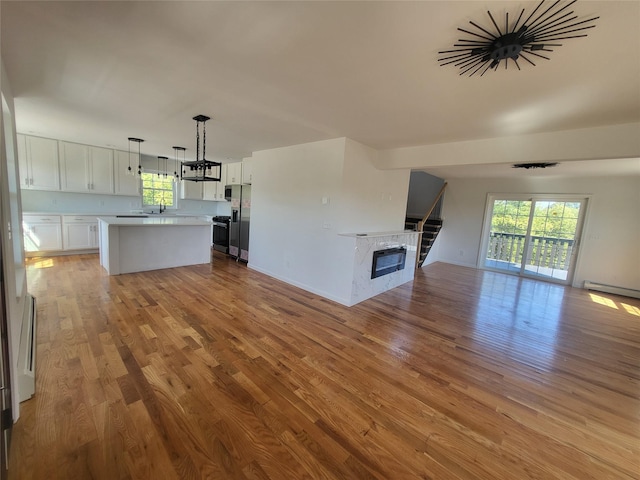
[138,244]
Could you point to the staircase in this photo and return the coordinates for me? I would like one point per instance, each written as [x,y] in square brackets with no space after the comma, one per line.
[429,226]
[430,230]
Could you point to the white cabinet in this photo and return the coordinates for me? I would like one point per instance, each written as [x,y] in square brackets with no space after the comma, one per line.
[247,171]
[126,184]
[191,190]
[86,169]
[234,173]
[101,170]
[42,233]
[80,232]
[214,191]
[38,163]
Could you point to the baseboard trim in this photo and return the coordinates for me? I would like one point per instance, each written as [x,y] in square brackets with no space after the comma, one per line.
[601,287]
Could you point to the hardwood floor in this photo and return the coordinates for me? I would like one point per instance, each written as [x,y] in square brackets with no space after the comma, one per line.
[221,372]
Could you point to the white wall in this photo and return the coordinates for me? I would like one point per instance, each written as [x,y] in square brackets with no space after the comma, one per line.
[610,251]
[372,200]
[423,190]
[303,196]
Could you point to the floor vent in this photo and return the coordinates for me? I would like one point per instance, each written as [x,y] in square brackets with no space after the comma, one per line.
[600,287]
[27,352]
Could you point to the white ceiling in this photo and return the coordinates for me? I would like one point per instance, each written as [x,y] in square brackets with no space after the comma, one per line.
[273,74]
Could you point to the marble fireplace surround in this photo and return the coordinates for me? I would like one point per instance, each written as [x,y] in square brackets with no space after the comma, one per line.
[364,244]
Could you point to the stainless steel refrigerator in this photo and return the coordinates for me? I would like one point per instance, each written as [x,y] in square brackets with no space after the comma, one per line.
[239,223]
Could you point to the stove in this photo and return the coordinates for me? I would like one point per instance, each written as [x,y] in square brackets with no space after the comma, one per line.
[221,233]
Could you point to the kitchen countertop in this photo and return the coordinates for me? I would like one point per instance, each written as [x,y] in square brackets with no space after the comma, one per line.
[153,220]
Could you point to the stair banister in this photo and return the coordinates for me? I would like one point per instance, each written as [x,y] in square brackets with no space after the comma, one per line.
[424,220]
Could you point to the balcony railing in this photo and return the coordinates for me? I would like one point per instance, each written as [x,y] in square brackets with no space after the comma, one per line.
[548,252]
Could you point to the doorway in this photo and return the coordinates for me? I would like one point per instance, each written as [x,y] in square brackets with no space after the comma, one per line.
[533,236]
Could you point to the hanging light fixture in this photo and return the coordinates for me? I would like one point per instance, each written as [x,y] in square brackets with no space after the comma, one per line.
[129,169]
[162,160]
[202,170]
[176,169]
[488,47]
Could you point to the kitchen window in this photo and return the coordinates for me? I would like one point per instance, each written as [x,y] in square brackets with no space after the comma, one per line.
[158,189]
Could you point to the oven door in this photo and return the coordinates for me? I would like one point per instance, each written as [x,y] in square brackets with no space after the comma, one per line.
[221,236]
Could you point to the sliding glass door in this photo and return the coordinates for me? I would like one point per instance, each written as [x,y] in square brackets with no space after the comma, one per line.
[533,236]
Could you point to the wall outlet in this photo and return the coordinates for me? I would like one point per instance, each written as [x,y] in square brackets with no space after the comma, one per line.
[326,225]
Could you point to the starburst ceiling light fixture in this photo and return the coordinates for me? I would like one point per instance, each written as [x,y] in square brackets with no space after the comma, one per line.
[528,166]
[524,39]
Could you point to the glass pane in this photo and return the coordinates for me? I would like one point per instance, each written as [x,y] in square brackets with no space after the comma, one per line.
[509,221]
[553,237]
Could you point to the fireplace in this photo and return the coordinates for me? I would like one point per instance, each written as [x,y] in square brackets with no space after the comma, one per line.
[388,261]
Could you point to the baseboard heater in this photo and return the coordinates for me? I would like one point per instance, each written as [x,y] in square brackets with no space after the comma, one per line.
[27,352]
[600,287]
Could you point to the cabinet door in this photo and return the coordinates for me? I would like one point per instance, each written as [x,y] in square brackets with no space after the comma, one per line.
[74,166]
[94,237]
[126,184]
[42,233]
[191,190]
[42,160]
[247,171]
[101,161]
[78,236]
[209,190]
[234,173]
[222,184]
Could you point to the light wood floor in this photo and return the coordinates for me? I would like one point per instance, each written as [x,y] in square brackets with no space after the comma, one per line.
[221,372]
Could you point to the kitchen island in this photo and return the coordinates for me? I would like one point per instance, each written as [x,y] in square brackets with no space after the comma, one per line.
[137,244]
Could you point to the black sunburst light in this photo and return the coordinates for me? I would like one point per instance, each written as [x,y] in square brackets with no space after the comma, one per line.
[541,30]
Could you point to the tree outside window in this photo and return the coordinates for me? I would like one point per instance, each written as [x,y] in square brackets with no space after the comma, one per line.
[158,189]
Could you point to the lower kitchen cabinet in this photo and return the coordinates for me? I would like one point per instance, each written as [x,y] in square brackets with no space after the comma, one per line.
[80,232]
[42,233]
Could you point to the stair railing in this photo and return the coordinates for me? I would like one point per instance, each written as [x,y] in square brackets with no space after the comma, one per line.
[424,220]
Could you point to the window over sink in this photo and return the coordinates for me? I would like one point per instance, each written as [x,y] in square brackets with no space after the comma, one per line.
[158,189]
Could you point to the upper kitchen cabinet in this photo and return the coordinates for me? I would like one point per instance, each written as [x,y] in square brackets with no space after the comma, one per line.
[234,173]
[126,184]
[38,163]
[191,190]
[86,169]
[247,171]
[214,191]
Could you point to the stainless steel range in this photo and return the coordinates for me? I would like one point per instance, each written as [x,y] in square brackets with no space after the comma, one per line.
[221,233]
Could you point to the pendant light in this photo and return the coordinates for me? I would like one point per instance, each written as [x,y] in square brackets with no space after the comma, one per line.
[162,160]
[129,169]
[178,169]
[202,170]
